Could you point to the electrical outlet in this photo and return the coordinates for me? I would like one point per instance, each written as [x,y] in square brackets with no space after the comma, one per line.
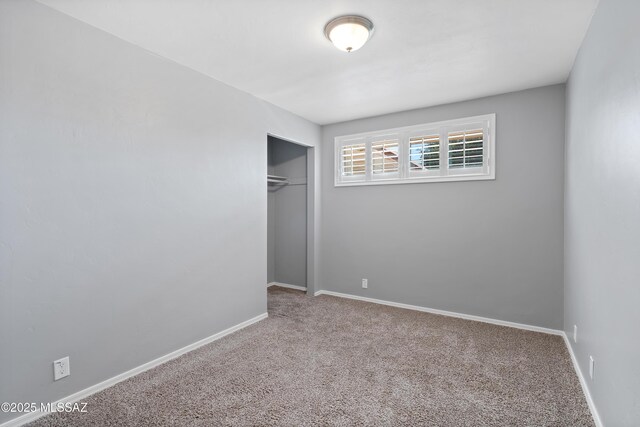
[591,366]
[61,368]
[365,283]
[575,333]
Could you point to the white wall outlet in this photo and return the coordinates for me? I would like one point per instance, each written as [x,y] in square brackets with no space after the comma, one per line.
[575,333]
[592,364]
[61,368]
[365,283]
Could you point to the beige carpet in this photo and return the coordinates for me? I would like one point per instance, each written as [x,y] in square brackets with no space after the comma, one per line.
[327,361]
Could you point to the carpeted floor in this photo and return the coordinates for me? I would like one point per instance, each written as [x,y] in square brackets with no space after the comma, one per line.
[328,361]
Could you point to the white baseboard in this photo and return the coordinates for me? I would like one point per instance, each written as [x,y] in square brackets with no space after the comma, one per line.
[286,285]
[583,383]
[82,394]
[444,313]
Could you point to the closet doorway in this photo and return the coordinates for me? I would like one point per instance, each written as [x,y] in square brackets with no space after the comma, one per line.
[288,219]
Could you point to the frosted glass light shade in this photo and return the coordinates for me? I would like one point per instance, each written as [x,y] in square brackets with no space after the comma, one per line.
[349,33]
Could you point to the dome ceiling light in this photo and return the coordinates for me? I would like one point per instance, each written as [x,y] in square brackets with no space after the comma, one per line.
[349,33]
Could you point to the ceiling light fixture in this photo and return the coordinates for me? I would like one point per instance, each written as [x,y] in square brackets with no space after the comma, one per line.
[349,33]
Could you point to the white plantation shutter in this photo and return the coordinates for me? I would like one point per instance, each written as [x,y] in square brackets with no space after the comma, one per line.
[466,149]
[452,150]
[384,157]
[424,153]
[353,160]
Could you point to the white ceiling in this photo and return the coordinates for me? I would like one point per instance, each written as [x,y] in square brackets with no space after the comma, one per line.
[423,52]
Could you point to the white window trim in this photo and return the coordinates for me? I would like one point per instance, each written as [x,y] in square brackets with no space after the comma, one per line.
[488,171]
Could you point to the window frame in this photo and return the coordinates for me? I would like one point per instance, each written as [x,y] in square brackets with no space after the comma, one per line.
[444,173]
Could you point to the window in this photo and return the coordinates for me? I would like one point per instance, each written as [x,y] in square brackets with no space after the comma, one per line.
[424,153]
[353,160]
[384,156]
[465,149]
[453,150]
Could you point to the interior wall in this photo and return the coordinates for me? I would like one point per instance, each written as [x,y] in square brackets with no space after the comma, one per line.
[271,224]
[133,203]
[486,248]
[288,222]
[602,210]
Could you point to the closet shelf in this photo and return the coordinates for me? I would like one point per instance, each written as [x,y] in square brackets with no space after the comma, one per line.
[275,179]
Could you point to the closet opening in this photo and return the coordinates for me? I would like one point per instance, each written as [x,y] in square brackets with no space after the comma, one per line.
[289,215]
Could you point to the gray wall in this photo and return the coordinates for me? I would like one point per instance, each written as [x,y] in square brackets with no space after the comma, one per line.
[487,248]
[127,229]
[288,217]
[602,210]
[271,225]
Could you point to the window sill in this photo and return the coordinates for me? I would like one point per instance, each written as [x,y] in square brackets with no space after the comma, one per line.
[421,180]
